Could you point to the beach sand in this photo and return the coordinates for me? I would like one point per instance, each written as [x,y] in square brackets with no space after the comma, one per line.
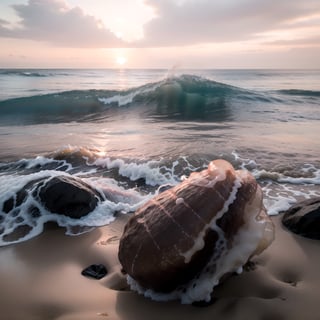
[41,279]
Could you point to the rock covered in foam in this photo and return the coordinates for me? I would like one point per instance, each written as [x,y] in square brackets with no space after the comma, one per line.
[183,241]
[303,218]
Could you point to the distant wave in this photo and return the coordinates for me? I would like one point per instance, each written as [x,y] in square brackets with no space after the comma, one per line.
[298,92]
[185,96]
[25,73]
[66,103]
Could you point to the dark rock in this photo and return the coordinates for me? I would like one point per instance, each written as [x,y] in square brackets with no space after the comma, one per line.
[68,196]
[303,218]
[96,271]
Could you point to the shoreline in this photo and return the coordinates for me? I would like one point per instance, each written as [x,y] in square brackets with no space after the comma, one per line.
[41,279]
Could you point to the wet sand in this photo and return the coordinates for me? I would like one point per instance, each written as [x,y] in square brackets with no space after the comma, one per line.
[41,279]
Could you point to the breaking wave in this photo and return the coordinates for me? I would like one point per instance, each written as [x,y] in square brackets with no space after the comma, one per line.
[186,96]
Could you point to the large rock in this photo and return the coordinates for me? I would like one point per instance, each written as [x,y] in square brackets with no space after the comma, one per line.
[303,218]
[182,242]
[68,196]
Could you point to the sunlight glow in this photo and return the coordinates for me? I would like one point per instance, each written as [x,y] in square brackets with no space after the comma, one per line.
[121,60]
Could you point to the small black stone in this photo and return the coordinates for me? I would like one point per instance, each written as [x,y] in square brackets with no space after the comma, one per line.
[96,271]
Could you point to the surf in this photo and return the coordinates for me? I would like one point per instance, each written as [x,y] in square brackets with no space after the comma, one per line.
[131,181]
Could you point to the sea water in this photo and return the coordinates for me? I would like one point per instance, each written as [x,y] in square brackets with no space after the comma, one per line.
[138,131]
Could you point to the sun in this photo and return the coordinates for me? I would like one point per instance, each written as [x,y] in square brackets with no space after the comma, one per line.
[121,60]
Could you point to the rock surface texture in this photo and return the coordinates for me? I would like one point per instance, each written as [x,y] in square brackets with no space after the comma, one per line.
[68,196]
[183,241]
[303,218]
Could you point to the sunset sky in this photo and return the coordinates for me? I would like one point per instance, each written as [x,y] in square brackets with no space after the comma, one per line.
[160,33]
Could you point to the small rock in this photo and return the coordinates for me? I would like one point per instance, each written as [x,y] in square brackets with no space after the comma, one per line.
[96,271]
[303,218]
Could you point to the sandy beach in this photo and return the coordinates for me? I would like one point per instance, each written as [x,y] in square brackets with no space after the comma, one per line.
[41,279]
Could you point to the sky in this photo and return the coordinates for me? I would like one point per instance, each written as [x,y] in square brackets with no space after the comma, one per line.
[160,34]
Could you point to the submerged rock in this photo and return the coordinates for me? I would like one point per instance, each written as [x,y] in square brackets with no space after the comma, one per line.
[303,218]
[68,196]
[182,242]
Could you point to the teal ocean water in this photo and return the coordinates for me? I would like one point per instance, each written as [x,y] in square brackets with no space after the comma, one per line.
[137,130]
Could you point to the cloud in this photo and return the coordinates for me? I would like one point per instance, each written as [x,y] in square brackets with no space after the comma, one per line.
[3,22]
[177,23]
[187,22]
[55,22]
[305,42]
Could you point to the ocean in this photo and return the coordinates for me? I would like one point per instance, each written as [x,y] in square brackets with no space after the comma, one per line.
[138,131]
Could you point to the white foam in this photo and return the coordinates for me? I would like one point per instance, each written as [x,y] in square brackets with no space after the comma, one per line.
[279,177]
[281,191]
[42,161]
[279,197]
[125,99]
[120,100]
[22,215]
[117,199]
[245,163]
[151,171]
[312,173]
[33,214]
